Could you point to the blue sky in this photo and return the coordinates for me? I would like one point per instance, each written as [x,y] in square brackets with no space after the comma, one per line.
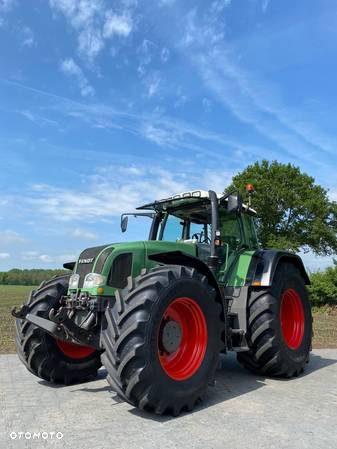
[105,105]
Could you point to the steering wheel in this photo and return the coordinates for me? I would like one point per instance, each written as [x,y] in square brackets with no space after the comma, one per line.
[200,236]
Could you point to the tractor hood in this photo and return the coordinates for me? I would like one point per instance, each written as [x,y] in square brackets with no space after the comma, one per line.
[117,261]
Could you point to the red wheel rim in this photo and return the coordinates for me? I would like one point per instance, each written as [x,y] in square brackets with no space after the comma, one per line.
[74,351]
[292,318]
[187,358]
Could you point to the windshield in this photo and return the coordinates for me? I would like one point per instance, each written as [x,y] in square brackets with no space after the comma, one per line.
[174,229]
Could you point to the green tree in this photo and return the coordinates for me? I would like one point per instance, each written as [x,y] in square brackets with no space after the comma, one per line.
[323,288]
[28,277]
[293,212]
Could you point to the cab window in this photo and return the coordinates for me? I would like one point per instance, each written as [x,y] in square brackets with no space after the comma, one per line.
[250,231]
[171,229]
[200,231]
[230,230]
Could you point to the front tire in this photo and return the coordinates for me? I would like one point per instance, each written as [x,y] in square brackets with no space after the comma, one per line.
[162,339]
[46,357]
[279,326]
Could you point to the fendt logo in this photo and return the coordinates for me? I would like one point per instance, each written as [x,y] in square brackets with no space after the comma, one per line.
[86,260]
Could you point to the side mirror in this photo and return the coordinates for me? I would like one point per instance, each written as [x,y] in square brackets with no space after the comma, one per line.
[234,203]
[124,222]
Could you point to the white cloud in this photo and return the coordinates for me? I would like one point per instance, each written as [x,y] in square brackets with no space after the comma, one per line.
[109,192]
[94,23]
[133,170]
[253,101]
[29,115]
[117,25]
[153,83]
[9,236]
[186,135]
[80,13]
[37,119]
[90,43]
[85,16]
[46,258]
[28,37]
[69,67]
[218,6]
[165,54]
[146,52]
[29,255]
[164,131]
[5,255]
[83,234]
[160,135]
[67,257]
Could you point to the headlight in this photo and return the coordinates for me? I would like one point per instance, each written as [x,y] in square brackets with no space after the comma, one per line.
[73,281]
[93,280]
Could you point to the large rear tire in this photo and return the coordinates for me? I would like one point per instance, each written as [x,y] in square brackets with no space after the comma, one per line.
[279,326]
[48,358]
[162,339]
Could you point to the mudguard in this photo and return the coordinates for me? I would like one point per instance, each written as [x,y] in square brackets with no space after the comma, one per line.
[180,258]
[260,274]
[264,264]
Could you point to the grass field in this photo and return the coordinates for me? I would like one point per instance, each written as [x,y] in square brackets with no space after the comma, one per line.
[325,320]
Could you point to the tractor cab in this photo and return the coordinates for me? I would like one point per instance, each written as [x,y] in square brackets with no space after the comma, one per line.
[219,226]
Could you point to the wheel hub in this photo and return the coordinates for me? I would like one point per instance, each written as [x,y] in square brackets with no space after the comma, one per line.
[182,338]
[171,336]
[292,318]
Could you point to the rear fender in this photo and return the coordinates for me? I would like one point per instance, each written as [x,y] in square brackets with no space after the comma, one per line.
[264,265]
[261,273]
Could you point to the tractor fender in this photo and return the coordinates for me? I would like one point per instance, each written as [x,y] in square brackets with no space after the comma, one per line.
[180,258]
[261,273]
[265,263]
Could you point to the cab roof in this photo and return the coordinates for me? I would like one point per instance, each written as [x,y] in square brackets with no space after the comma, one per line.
[185,198]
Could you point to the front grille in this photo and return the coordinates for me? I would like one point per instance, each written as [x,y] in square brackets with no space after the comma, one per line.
[83,266]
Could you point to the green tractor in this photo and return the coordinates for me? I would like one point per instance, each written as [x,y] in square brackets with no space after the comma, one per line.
[158,313]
